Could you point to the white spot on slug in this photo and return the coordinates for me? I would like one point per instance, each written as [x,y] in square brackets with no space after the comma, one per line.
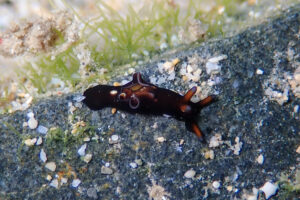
[113,92]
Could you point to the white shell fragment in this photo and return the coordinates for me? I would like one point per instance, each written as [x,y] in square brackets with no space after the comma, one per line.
[43,155]
[298,149]
[209,154]
[54,183]
[106,170]
[30,142]
[51,166]
[190,173]
[217,58]
[49,178]
[79,98]
[87,158]
[30,115]
[215,141]
[212,66]
[161,139]
[216,184]
[133,165]
[39,141]
[32,122]
[269,189]
[237,146]
[259,72]
[81,150]
[76,182]
[260,159]
[63,180]
[114,139]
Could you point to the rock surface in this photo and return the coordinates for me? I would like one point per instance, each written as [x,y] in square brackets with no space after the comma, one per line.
[256,114]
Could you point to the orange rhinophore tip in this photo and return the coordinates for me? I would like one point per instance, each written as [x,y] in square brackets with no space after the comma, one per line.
[187,97]
[197,131]
[205,102]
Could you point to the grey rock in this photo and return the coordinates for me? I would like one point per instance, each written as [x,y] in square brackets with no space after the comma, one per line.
[250,122]
[92,193]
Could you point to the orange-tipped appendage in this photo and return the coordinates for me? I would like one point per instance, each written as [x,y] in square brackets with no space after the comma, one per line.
[187,97]
[197,131]
[208,100]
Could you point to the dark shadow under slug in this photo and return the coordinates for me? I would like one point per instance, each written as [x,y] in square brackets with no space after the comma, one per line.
[138,96]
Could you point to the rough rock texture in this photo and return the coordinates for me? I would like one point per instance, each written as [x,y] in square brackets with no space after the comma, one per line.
[136,165]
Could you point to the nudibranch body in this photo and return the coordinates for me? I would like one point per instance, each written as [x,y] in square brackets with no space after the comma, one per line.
[138,96]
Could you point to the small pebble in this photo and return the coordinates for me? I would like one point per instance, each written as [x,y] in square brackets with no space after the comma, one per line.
[215,141]
[25,124]
[298,149]
[297,75]
[131,70]
[139,162]
[92,193]
[81,150]
[209,154]
[181,142]
[190,173]
[259,72]
[260,159]
[133,165]
[76,182]
[116,84]
[237,147]
[269,189]
[96,137]
[30,142]
[79,98]
[87,158]
[296,109]
[212,68]
[161,139]
[114,139]
[42,129]
[32,123]
[106,170]
[78,105]
[43,156]
[39,141]
[217,58]
[51,166]
[155,125]
[113,110]
[30,115]
[54,183]
[63,180]
[49,178]
[229,188]
[216,184]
